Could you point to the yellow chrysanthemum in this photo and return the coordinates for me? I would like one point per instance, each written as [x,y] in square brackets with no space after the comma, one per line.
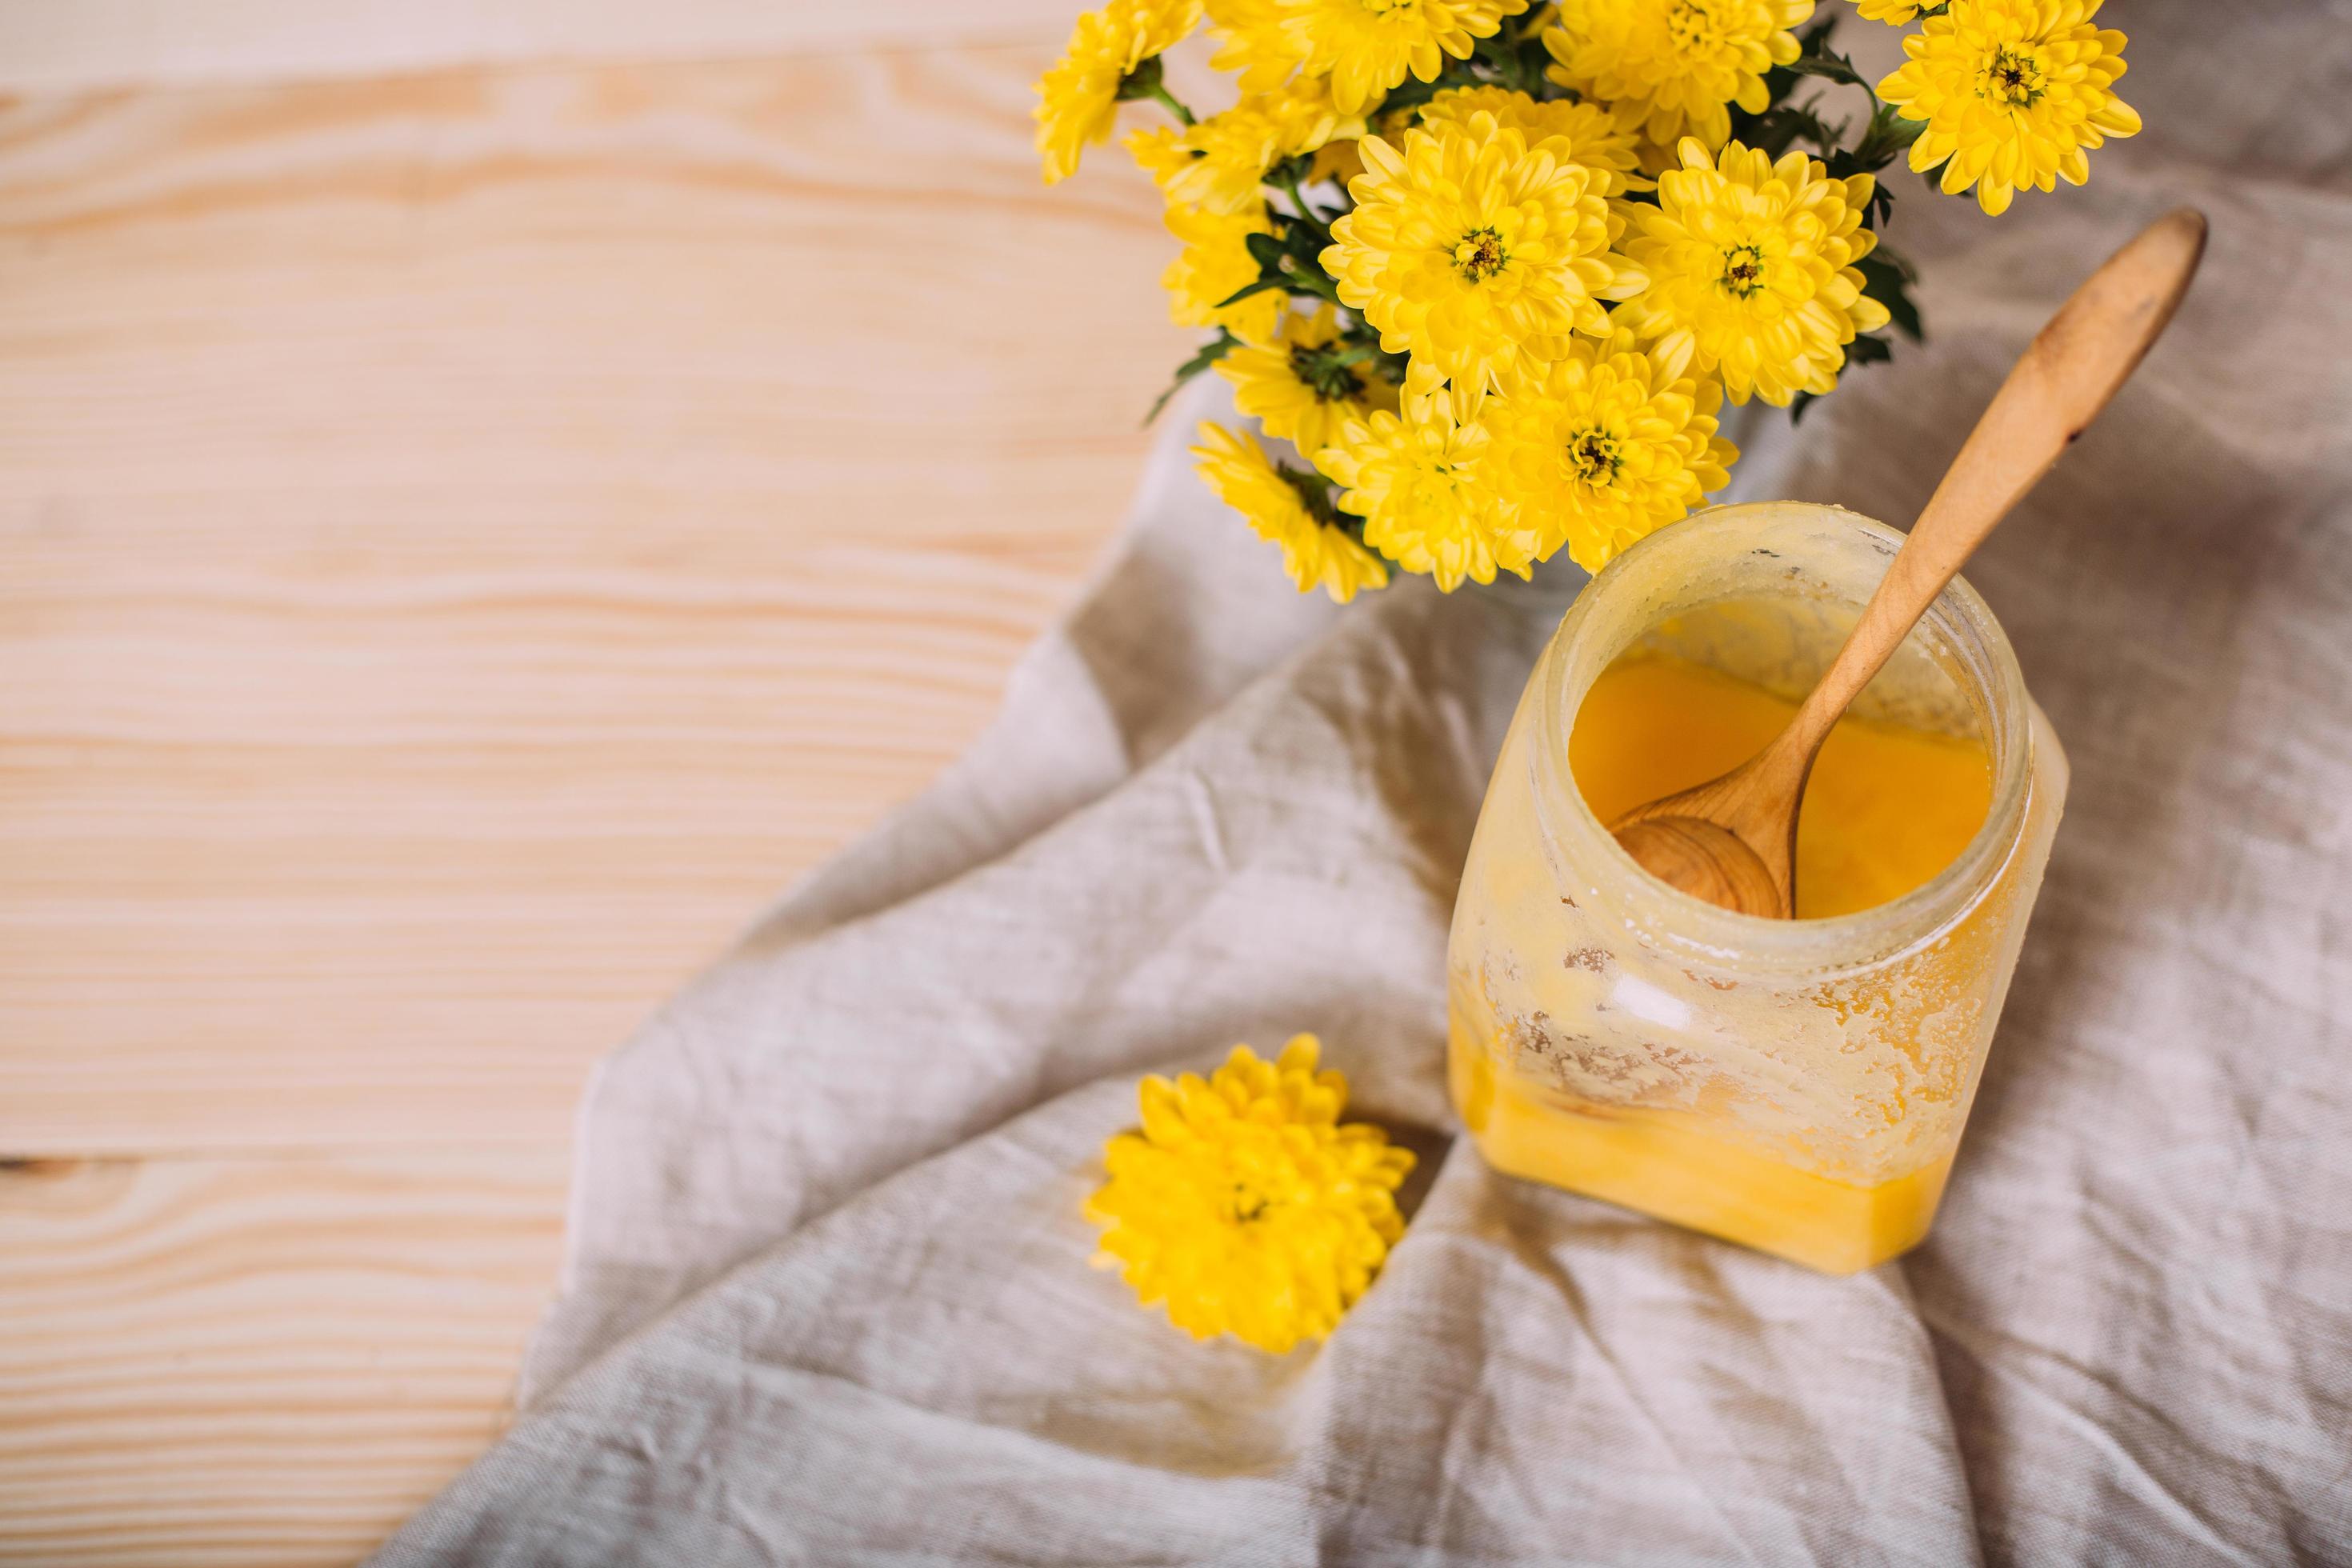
[1470,249]
[1290,510]
[1253,43]
[1670,68]
[2015,93]
[1367,47]
[1893,13]
[1601,448]
[1416,481]
[1303,386]
[1077,99]
[1592,134]
[1220,164]
[1750,271]
[1244,1205]
[1214,265]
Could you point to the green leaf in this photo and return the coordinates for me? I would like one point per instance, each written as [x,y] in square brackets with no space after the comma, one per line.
[1291,169]
[1869,350]
[1776,129]
[1246,290]
[1265,250]
[1514,54]
[1834,67]
[1888,135]
[1887,138]
[1215,349]
[1412,93]
[1304,242]
[1887,279]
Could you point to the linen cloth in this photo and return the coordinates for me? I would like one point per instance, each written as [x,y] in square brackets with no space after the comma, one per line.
[827,1297]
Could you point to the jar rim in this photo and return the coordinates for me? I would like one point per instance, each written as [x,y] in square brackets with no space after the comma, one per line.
[1704,932]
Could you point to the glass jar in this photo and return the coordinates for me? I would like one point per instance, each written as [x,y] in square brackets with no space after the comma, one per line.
[1798,1086]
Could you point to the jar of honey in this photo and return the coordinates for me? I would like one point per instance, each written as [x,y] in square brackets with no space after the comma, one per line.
[1798,1086]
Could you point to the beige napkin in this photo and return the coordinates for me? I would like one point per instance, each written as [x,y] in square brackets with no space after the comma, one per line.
[827,1298]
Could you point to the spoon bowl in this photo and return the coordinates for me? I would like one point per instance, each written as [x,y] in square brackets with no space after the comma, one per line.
[1705,859]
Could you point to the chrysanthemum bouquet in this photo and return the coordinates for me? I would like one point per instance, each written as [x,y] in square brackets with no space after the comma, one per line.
[1492,268]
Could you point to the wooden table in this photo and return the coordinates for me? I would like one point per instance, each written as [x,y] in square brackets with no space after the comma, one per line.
[466,538]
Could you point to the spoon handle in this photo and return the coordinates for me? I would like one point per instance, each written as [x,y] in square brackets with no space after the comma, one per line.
[2060,384]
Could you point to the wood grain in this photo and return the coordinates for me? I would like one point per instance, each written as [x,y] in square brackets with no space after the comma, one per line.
[464,541]
[257,1361]
[159,42]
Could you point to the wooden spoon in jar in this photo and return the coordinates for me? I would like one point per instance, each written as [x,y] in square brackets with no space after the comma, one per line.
[1733,841]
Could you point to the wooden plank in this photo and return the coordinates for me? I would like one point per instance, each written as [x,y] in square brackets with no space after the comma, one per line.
[466,540]
[254,1363]
[156,42]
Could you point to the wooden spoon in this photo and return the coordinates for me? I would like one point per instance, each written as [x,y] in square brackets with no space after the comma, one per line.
[1733,841]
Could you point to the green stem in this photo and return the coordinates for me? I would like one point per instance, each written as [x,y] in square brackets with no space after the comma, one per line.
[1182,114]
[1298,200]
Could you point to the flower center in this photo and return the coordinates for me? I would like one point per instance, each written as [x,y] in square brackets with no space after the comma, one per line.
[2012,77]
[1249,1204]
[1322,374]
[1383,7]
[1743,271]
[1689,27]
[1313,494]
[1594,456]
[1480,254]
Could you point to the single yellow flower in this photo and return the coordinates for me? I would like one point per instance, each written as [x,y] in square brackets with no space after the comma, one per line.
[1290,510]
[1077,99]
[1416,481]
[1751,274]
[1469,249]
[1670,68]
[1368,46]
[2015,93]
[1893,13]
[1214,265]
[1304,386]
[1602,448]
[1253,43]
[1220,164]
[1244,1206]
[1594,137]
